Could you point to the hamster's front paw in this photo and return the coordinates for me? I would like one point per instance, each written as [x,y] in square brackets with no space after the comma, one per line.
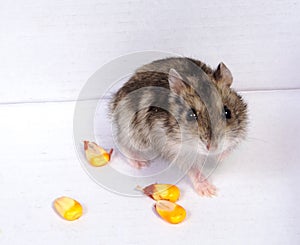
[138,163]
[201,185]
[205,188]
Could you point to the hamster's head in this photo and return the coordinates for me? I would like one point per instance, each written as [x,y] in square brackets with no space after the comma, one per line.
[210,114]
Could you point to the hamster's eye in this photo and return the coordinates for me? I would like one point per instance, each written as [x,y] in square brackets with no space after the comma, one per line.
[191,115]
[227,112]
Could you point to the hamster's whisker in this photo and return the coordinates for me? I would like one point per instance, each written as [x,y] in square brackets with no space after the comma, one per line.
[256,139]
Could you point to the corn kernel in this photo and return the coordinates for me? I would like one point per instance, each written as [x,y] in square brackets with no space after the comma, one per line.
[96,155]
[68,208]
[170,211]
[162,192]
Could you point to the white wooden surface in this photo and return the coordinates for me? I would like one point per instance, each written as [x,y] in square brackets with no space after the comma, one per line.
[258,200]
[48,49]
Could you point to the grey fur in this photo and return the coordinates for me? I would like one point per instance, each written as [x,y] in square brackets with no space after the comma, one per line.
[150,117]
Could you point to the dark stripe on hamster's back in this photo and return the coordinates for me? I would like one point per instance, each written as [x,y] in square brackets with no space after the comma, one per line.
[141,80]
[202,65]
[145,79]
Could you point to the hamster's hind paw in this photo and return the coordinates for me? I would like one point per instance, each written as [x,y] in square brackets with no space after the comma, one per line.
[138,163]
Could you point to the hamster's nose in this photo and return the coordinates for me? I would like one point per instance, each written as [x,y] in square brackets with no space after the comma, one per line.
[211,147]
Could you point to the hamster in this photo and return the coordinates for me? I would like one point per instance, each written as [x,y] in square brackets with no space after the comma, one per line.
[181,110]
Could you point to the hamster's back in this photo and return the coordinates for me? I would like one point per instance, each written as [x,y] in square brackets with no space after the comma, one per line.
[155,74]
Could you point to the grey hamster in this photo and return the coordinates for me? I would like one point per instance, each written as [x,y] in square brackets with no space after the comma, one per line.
[178,109]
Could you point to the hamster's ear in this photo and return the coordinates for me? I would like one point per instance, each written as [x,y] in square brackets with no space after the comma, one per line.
[223,75]
[175,81]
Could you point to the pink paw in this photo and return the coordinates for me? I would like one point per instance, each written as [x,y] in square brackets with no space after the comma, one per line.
[204,188]
[201,184]
[138,163]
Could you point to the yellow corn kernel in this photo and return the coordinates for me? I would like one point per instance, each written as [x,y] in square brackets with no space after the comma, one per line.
[68,208]
[96,155]
[162,192]
[170,211]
